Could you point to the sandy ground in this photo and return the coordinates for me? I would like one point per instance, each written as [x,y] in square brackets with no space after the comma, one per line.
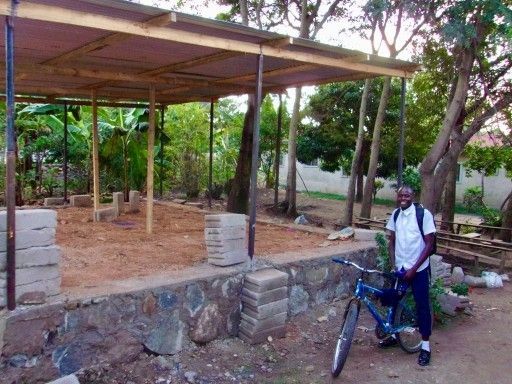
[97,252]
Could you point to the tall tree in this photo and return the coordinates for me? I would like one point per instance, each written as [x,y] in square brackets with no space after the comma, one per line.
[307,18]
[477,34]
[391,19]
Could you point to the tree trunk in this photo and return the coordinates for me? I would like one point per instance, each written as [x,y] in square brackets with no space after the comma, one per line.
[291,180]
[238,199]
[366,206]
[507,222]
[448,212]
[360,180]
[432,181]
[356,168]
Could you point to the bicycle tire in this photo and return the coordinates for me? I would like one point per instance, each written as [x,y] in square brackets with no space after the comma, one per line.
[409,339]
[345,338]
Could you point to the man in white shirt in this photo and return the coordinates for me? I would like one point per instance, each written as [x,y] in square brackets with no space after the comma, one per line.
[410,249]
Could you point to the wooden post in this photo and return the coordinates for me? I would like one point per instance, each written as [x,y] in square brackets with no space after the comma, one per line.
[151,155]
[95,158]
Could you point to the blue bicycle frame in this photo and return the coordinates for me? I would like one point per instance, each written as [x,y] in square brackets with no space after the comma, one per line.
[360,293]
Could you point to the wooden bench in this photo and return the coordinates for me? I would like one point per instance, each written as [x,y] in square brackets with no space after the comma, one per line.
[457,224]
[495,254]
[477,258]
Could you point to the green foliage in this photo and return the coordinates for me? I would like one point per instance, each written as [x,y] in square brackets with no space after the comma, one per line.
[460,289]
[492,217]
[377,186]
[473,199]
[436,289]
[411,177]
[383,260]
[485,160]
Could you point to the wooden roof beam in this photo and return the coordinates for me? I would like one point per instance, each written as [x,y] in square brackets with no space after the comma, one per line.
[192,63]
[54,14]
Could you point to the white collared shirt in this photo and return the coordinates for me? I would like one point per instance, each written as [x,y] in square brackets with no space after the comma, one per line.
[408,240]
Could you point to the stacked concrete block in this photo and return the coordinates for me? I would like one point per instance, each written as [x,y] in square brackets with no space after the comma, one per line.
[37,256]
[118,203]
[80,201]
[134,198]
[225,239]
[265,305]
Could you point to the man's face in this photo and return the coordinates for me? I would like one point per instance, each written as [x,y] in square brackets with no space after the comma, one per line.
[405,196]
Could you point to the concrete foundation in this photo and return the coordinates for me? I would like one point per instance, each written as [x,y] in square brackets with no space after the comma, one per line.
[104,214]
[53,201]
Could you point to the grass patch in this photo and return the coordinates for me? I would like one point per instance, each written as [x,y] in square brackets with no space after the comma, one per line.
[386,202]
[328,196]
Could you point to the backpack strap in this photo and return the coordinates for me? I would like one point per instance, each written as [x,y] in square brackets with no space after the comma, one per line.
[420,213]
[395,214]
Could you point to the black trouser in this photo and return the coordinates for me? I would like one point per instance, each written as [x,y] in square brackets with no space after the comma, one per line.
[420,289]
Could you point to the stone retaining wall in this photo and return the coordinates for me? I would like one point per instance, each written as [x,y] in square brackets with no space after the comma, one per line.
[60,338]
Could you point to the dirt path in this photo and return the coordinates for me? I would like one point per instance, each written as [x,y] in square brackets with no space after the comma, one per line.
[467,349]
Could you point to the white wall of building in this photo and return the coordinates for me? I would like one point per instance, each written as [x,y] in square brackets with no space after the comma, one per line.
[496,187]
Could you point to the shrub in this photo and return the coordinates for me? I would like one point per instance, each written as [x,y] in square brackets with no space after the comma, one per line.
[473,199]
[460,289]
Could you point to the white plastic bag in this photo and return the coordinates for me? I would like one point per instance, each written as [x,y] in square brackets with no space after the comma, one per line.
[492,279]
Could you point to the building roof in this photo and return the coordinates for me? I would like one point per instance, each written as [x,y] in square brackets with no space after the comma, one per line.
[67,49]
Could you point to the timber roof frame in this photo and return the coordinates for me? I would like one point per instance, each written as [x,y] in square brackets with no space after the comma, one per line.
[66,49]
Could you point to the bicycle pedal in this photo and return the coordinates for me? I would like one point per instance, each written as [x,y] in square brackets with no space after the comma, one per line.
[409,330]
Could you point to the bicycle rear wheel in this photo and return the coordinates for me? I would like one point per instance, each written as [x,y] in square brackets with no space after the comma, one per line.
[345,339]
[409,338]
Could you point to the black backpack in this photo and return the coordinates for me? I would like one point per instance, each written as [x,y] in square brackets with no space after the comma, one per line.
[420,212]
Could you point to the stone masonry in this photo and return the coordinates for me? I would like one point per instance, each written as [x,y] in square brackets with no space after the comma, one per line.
[225,239]
[265,305]
[37,256]
[163,315]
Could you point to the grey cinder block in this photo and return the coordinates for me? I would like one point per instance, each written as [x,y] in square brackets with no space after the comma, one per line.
[30,219]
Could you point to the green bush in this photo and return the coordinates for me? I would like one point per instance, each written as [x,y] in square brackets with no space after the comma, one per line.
[460,289]
[473,199]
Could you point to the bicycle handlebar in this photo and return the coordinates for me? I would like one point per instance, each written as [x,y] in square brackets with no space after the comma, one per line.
[365,270]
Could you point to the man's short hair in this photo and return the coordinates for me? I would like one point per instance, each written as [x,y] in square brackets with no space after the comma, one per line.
[405,186]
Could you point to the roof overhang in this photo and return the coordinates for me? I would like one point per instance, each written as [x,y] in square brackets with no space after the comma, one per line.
[66,49]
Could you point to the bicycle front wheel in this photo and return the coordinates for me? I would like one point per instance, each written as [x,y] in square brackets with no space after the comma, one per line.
[345,339]
[409,338]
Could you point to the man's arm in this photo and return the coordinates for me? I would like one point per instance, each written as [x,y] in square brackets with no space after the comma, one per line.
[391,247]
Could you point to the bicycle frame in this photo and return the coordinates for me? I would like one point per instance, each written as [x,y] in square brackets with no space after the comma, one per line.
[360,294]
[386,323]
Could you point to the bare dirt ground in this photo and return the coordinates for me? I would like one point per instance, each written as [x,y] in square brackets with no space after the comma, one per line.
[470,349]
[95,252]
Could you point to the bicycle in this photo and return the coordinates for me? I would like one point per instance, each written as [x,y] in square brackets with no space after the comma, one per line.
[400,317]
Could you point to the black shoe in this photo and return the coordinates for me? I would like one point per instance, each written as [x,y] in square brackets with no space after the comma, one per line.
[388,342]
[424,358]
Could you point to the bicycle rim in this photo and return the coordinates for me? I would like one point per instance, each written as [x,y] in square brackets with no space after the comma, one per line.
[345,338]
[409,338]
